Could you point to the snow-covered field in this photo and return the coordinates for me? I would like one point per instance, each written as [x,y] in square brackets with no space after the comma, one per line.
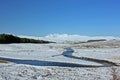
[47,61]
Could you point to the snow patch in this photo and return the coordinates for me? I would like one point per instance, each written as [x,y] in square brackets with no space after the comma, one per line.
[67,37]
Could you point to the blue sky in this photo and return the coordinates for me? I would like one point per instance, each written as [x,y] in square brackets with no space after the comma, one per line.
[43,17]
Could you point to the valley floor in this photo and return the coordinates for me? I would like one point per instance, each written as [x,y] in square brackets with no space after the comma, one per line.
[48,62]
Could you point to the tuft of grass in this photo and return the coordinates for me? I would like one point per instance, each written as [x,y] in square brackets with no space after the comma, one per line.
[114,73]
[3,61]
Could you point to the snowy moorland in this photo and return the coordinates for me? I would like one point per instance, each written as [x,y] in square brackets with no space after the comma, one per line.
[64,60]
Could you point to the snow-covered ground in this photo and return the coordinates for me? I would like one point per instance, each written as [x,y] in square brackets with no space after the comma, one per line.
[45,52]
[65,38]
[46,62]
[28,72]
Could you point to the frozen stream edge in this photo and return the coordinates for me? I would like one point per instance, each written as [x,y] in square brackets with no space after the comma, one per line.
[68,53]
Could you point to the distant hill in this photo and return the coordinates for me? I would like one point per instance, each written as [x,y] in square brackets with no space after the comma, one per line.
[97,40]
[9,38]
[66,38]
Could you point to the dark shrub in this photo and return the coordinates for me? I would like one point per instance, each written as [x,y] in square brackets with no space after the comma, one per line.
[96,40]
[8,38]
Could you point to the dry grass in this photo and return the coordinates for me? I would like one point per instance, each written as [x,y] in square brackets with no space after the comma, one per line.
[115,74]
[3,61]
[99,60]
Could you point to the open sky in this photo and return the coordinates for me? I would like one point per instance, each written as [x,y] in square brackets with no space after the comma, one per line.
[43,17]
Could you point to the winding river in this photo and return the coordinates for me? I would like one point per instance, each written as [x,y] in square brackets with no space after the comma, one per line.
[68,53]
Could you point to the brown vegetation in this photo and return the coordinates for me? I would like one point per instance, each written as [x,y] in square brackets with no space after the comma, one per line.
[115,74]
[3,61]
[99,60]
